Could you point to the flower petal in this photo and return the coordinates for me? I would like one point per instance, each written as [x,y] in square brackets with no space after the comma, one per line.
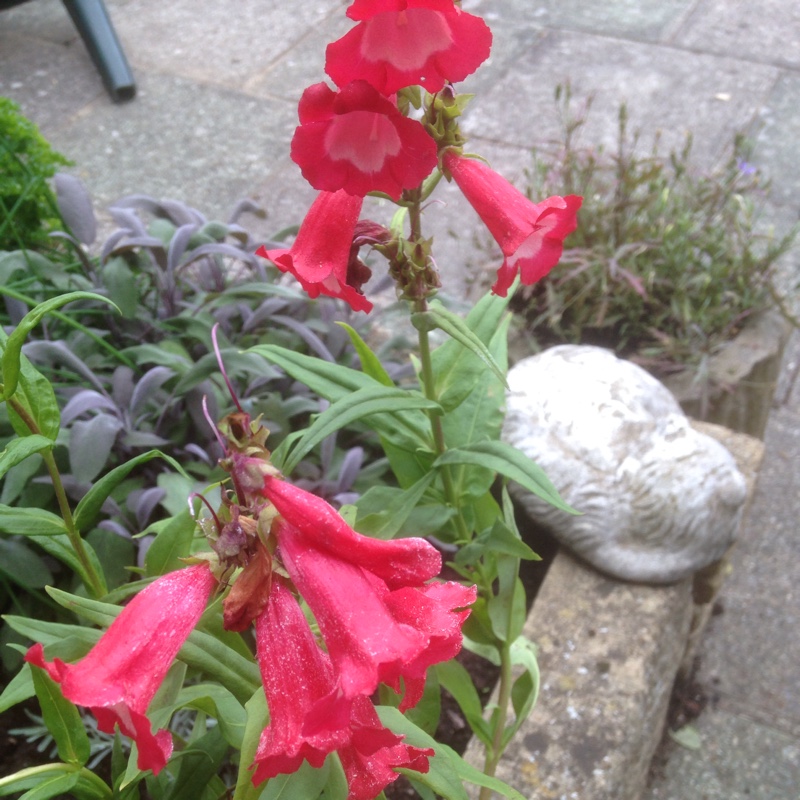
[120,675]
[407,43]
[321,253]
[297,677]
[398,562]
[374,753]
[366,644]
[531,235]
[357,140]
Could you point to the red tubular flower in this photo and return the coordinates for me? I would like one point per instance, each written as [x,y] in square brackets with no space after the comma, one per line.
[321,254]
[402,43]
[287,651]
[373,752]
[119,676]
[531,235]
[357,140]
[381,622]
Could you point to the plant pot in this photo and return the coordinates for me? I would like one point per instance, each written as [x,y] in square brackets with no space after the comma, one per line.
[736,386]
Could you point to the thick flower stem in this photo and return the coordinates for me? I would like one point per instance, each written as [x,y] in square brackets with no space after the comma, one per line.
[499,718]
[94,582]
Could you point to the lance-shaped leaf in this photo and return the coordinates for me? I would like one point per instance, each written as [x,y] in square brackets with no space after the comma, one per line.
[370,363]
[17,450]
[13,346]
[88,510]
[437,316]
[62,719]
[353,407]
[511,463]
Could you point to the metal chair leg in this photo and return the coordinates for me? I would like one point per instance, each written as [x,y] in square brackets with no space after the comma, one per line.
[94,25]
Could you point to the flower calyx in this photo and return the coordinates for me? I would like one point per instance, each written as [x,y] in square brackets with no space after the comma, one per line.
[441,113]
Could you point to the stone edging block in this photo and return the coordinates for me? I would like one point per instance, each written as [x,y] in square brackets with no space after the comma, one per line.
[609,653]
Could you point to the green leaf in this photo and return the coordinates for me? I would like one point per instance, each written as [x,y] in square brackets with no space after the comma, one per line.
[13,346]
[307,783]
[388,508]
[119,280]
[256,720]
[36,398]
[499,539]
[60,547]
[17,450]
[687,736]
[442,776]
[19,688]
[173,541]
[219,703]
[55,786]
[525,690]
[88,510]
[20,564]
[53,780]
[198,764]
[456,368]
[454,326]
[30,521]
[370,363]
[353,407]
[510,462]
[507,609]
[62,719]
[115,553]
[410,430]
[454,677]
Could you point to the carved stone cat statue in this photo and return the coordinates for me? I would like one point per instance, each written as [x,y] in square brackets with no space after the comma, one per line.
[659,499]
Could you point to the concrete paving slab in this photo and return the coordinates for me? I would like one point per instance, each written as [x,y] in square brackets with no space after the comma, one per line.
[43,20]
[666,90]
[225,45]
[778,134]
[767,33]
[739,759]
[303,64]
[644,20]
[50,80]
[146,147]
[761,600]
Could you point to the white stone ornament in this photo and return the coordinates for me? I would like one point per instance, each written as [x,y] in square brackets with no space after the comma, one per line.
[660,500]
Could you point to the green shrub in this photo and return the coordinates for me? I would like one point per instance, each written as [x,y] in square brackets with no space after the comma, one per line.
[28,210]
[667,261]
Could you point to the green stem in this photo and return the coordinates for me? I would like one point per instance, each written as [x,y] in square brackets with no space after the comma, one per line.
[94,582]
[428,381]
[499,718]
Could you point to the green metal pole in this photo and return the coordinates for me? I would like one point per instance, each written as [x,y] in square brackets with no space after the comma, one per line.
[98,34]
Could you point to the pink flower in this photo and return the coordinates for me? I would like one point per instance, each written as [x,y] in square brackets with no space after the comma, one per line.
[357,140]
[119,676]
[298,678]
[379,618]
[321,257]
[402,43]
[531,235]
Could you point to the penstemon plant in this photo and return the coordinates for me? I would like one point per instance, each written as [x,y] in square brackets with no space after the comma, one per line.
[271,645]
